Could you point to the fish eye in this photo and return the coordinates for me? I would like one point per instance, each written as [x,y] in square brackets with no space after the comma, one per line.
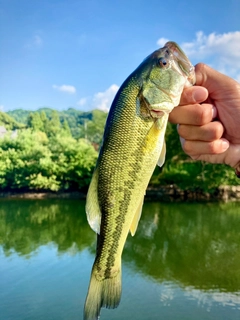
[162,62]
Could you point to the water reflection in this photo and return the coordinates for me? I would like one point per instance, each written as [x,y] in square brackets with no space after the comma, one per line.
[193,244]
[27,225]
[180,255]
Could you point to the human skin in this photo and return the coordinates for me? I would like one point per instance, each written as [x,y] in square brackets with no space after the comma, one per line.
[208,118]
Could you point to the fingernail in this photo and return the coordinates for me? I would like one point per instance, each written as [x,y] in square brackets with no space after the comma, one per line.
[225,144]
[182,141]
[199,94]
[214,112]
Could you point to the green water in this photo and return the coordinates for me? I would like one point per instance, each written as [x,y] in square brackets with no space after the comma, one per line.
[182,264]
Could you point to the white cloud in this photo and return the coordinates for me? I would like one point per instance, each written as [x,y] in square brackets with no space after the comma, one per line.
[82,102]
[1,108]
[100,100]
[103,100]
[162,41]
[221,51]
[65,88]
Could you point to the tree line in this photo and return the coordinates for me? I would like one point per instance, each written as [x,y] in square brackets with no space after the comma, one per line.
[57,151]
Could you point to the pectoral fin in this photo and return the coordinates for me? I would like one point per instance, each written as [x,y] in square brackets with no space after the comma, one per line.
[136,218]
[92,205]
[162,125]
[162,157]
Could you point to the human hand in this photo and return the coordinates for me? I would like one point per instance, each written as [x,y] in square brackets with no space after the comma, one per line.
[209,118]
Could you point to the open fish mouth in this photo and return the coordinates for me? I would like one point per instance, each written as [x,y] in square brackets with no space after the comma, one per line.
[183,64]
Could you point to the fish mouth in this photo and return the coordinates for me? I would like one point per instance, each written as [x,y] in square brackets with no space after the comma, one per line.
[183,64]
[157,113]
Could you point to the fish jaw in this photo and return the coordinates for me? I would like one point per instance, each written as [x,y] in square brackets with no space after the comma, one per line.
[183,64]
[163,92]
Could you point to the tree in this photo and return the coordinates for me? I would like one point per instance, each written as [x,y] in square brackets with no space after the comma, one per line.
[35,122]
[65,129]
[10,123]
[53,126]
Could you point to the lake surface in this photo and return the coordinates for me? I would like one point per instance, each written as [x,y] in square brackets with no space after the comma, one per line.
[183,263]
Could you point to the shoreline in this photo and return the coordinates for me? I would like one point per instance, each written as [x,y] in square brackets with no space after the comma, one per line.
[162,193]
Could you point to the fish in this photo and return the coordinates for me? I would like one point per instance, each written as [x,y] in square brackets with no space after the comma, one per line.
[133,144]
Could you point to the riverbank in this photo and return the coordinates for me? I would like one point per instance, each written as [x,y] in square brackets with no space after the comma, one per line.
[162,193]
[173,194]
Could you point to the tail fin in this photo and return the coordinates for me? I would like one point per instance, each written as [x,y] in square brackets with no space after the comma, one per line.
[102,293]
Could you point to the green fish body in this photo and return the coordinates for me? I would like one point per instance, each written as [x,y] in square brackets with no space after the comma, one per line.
[133,144]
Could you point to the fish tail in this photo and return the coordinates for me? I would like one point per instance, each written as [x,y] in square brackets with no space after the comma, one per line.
[102,293]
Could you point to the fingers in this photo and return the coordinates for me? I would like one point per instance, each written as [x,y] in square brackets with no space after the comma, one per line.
[203,140]
[209,132]
[196,149]
[201,137]
[194,114]
[230,156]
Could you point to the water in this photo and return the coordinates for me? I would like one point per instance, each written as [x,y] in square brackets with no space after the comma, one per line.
[182,264]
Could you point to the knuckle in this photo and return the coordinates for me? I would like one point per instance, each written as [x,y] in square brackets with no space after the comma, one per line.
[217,131]
[201,67]
[202,116]
[213,148]
[201,72]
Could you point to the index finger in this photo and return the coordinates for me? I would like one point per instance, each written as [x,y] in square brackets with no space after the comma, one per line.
[193,114]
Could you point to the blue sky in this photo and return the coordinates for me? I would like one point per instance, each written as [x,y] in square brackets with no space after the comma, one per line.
[76,53]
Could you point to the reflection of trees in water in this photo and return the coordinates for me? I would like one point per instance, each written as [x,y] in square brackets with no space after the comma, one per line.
[26,225]
[194,244]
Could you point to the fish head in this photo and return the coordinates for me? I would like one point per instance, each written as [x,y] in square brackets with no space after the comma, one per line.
[165,73]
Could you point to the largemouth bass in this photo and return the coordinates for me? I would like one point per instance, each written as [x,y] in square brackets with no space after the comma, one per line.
[133,143]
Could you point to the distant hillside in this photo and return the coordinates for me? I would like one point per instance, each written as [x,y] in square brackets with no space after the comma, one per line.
[82,124]
[9,122]
[21,115]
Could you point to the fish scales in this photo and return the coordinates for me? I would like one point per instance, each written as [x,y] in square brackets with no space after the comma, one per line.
[129,167]
[133,144]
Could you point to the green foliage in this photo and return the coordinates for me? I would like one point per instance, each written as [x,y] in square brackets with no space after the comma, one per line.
[87,125]
[34,161]
[93,129]
[9,123]
[35,122]
[56,153]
